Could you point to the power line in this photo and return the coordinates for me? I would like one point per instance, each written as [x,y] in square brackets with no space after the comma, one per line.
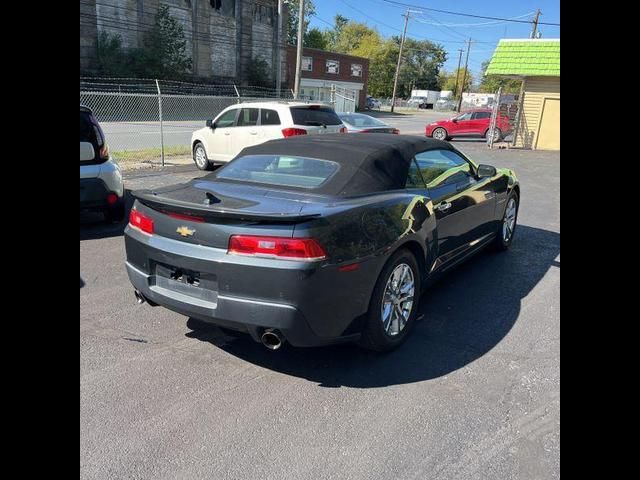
[467,14]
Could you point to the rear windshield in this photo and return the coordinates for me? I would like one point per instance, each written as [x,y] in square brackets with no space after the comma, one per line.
[362,121]
[89,132]
[314,116]
[280,170]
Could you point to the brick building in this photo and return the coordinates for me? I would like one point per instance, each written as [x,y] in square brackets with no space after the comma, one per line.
[321,69]
[223,37]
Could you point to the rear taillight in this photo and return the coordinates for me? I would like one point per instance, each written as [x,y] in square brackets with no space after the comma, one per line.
[395,131]
[292,132]
[343,129]
[104,152]
[306,249]
[112,198]
[141,221]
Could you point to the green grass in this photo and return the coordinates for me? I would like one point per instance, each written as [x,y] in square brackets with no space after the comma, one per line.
[151,154]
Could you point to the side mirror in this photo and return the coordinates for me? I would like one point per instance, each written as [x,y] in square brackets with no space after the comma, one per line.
[86,152]
[485,171]
[210,124]
[454,120]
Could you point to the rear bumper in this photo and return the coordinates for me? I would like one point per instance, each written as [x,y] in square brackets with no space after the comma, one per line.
[240,314]
[305,302]
[93,194]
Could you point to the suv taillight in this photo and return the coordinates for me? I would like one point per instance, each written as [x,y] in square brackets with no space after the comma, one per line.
[141,221]
[292,132]
[343,129]
[307,249]
[104,152]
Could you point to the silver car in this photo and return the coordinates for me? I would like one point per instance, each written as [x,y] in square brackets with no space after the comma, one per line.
[360,123]
[101,186]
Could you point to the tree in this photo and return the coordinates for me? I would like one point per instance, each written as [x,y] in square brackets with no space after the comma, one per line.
[334,34]
[491,83]
[111,56]
[293,7]
[165,52]
[355,38]
[421,64]
[259,73]
[314,38]
[448,81]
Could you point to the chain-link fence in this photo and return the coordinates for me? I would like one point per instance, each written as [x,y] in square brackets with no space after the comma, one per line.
[151,121]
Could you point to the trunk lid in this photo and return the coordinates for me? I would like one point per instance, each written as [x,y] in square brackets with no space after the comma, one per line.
[207,213]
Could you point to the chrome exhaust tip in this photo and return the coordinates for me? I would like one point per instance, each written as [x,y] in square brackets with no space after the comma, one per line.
[139,297]
[272,339]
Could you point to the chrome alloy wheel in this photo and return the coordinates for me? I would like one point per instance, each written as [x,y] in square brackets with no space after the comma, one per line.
[397,301]
[200,157]
[509,221]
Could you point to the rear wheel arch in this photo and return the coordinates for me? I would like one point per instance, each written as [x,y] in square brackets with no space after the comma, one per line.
[419,252]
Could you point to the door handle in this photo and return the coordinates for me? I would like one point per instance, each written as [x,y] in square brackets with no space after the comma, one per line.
[443,207]
[227,133]
[253,133]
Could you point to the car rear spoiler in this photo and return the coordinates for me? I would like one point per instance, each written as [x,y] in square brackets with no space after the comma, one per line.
[153,200]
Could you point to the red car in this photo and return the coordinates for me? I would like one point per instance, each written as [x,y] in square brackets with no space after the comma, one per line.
[469,123]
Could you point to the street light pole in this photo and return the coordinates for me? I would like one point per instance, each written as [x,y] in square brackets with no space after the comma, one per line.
[395,80]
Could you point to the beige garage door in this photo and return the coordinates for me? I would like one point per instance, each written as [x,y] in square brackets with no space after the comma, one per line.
[549,134]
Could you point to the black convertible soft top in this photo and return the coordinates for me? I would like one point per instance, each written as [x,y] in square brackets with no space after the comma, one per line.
[369,162]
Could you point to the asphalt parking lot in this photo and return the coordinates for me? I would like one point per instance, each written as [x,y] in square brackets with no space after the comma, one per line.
[472,394]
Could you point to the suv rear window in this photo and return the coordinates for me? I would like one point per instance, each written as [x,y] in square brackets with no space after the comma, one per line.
[280,170]
[314,115]
[90,132]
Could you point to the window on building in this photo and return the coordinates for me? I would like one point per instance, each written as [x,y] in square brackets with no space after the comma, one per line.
[263,14]
[356,70]
[333,66]
[307,64]
[224,7]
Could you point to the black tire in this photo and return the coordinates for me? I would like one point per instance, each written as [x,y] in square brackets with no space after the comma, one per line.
[497,135]
[115,214]
[374,337]
[441,135]
[203,162]
[501,243]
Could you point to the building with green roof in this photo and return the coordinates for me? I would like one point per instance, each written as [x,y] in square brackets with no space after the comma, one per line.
[537,63]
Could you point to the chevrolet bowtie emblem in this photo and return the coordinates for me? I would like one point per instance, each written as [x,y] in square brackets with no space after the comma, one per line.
[185,231]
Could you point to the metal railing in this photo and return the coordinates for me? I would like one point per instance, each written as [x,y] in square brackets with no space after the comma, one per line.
[151,121]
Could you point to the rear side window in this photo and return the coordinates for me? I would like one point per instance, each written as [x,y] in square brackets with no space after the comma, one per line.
[269,117]
[314,115]
[279,170]
[248,117]
[481,115]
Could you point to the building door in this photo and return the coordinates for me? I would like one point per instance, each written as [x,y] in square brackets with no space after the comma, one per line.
[549,132]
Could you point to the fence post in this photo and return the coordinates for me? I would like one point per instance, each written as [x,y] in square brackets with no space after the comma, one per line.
[160,113]
[332,98]
[494,117]
[237,93]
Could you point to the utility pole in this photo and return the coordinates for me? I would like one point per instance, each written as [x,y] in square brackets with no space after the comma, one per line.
[464,77]
[535,24]
[279,50]
[296,91]
[395,80]
[455,90]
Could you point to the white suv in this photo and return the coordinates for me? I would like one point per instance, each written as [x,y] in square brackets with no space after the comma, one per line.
[247,124]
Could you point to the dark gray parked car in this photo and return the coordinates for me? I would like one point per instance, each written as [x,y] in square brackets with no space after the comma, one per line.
[317,239]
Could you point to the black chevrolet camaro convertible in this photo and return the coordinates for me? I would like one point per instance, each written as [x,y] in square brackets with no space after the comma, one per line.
[318,239]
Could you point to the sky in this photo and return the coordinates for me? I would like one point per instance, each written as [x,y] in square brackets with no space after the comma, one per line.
[451,31]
